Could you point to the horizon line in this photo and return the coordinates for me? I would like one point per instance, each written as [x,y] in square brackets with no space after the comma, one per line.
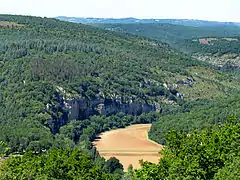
[137,18]
[153,18]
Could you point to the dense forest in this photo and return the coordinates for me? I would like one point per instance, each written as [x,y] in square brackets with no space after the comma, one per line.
[61,84]
[185,38]
[212,153]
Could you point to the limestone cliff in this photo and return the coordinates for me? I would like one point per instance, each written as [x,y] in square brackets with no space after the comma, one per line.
[75,107]
[81,108]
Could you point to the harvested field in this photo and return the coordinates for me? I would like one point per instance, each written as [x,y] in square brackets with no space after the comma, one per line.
[9,24]
[206,40]
[129,145]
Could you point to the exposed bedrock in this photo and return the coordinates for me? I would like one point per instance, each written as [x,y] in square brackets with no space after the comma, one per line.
[82,109]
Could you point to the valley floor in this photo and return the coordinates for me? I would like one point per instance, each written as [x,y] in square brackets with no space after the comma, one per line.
[129,145]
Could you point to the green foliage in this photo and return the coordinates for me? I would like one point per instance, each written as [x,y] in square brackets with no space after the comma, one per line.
[182,37]
[113,166]
[45,54]
[230,170]
[218,47]
[4,149]
[199,115]
[82,132]
[44,63]
[55,164]
[198,155]
[130,175]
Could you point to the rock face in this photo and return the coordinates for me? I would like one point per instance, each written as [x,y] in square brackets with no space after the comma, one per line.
[82,109]
[76,107]
[187,82]
[226,60]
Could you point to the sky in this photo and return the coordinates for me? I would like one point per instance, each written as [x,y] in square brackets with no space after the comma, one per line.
[217,10]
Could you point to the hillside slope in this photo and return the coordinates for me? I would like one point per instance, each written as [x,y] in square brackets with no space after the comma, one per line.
[61,84]
[53,72]
[216,44]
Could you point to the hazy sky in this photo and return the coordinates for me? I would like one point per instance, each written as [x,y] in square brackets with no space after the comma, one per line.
[220,10]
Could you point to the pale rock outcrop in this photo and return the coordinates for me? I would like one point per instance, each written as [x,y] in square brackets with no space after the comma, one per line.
[81,108]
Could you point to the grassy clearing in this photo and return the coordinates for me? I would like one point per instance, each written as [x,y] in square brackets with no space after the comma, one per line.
[208,83]
[7,24]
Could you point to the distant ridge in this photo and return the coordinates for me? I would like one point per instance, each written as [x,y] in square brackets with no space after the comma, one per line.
[130,20]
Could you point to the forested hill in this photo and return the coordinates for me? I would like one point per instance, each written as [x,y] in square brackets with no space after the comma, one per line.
[53,72]
[217,44]
[178,36]
[61,84]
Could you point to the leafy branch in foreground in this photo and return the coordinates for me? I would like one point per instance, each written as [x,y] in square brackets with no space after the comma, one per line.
[198,155]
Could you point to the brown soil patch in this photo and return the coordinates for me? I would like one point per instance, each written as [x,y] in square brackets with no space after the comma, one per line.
[10,24]
[129,145]
[206,40]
